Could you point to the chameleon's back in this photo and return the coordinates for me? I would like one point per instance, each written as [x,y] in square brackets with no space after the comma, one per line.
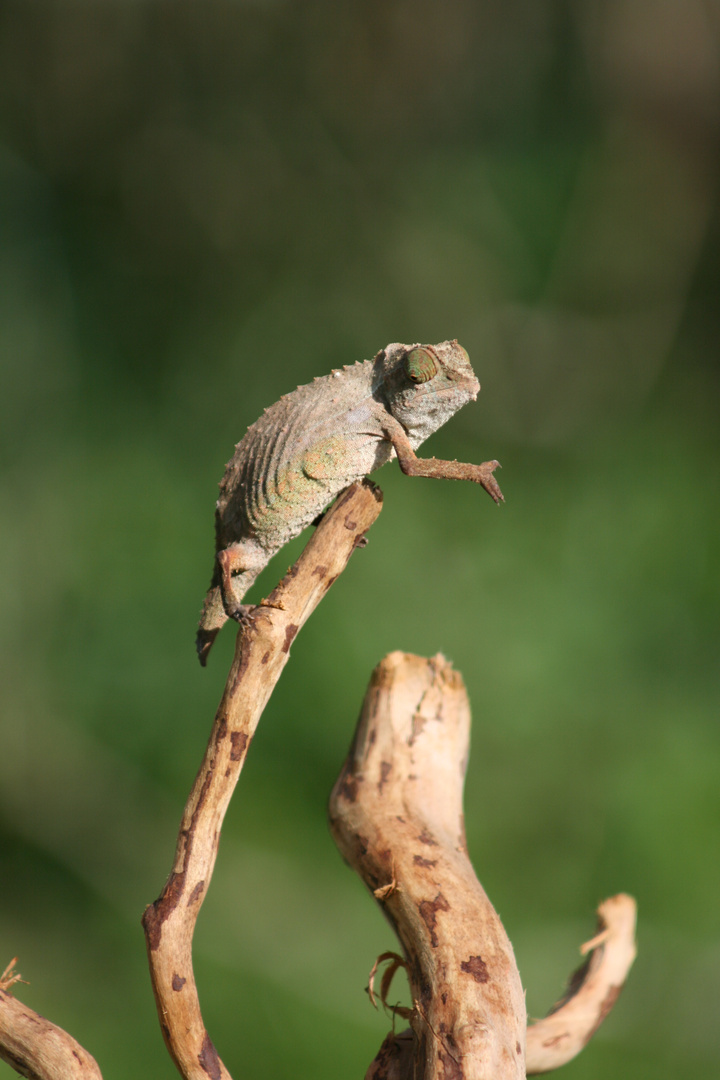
[291,463]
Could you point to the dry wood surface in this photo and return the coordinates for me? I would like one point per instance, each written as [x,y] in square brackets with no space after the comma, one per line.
[396,815]
[33,1046]
[261,652]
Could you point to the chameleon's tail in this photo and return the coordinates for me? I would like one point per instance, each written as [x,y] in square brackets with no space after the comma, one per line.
[212,618]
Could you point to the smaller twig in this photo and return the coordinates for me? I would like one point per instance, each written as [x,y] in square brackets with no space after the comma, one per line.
[34,1047]
[591,993]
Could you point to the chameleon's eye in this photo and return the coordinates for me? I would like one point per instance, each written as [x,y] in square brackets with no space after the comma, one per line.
[420,365]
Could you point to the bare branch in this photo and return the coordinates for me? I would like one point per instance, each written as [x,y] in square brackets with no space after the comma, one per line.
[35,1048]
[592,992]
[261,653]
[396,815]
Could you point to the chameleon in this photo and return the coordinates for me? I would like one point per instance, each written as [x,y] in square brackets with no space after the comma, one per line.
[316,441]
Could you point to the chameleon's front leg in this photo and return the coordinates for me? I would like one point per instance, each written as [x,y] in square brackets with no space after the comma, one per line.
[412,465]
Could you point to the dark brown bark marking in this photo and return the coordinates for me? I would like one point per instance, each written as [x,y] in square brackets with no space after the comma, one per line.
[452,1069]
[610,998]
[418,723]
[427,863]
[349,788]
[18,1064]
[156,914]
[385,770]
[196,893]
[178,982]
[319,571]
[209,1060]
[290,632]
[556,1039]
[244,660]
[426,991]
[476,966]
[428,913]
[426,837]
[239,742]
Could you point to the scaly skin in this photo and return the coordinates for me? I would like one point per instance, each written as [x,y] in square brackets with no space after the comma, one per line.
[312,444]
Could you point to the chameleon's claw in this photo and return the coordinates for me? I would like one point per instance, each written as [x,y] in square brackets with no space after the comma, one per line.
[242,613]
[489,482]
[205,638]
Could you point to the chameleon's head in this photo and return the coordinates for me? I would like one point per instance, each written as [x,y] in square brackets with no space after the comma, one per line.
[424,385]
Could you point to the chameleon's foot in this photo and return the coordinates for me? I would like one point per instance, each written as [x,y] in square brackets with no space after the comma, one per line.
[241,613]
[488,481]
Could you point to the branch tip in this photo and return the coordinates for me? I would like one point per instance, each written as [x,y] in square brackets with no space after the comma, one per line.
[592,991]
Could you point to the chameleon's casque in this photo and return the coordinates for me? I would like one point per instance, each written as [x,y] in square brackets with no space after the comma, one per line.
[311,444]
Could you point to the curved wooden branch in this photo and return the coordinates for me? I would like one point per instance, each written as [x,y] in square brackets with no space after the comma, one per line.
[396,815]
[34,1047]
[591,993]
[261,653]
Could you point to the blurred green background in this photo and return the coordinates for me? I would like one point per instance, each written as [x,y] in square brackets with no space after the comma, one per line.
[203,205]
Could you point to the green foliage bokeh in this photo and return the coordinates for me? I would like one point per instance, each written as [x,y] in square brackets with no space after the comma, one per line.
[203,205]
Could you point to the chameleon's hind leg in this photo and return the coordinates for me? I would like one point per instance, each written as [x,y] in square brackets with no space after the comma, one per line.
[238,565]
[236,568]
[214,616]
